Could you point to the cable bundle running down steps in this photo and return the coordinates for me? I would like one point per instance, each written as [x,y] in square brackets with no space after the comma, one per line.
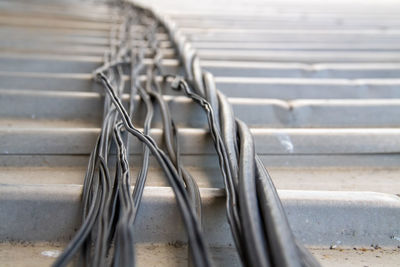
[255,214]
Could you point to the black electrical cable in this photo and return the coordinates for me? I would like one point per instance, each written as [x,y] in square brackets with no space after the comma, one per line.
[249,257]
[97,200]
[170,134]
[199,249]
[124,239]
[231,198]
[258,223]
[253,232]
[292,255]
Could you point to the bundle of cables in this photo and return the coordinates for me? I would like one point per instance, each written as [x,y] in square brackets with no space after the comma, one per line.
[110,206]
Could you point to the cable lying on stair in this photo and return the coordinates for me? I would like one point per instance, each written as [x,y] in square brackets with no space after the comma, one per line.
[259,225]
[283,249]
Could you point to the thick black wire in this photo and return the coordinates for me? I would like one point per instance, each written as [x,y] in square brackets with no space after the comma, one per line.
[288,251]
[170,134]
[97,180]
[253,232]
[198,248]
[124,249]
[110,202]
[283,235]
[244,175]
[231,198]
